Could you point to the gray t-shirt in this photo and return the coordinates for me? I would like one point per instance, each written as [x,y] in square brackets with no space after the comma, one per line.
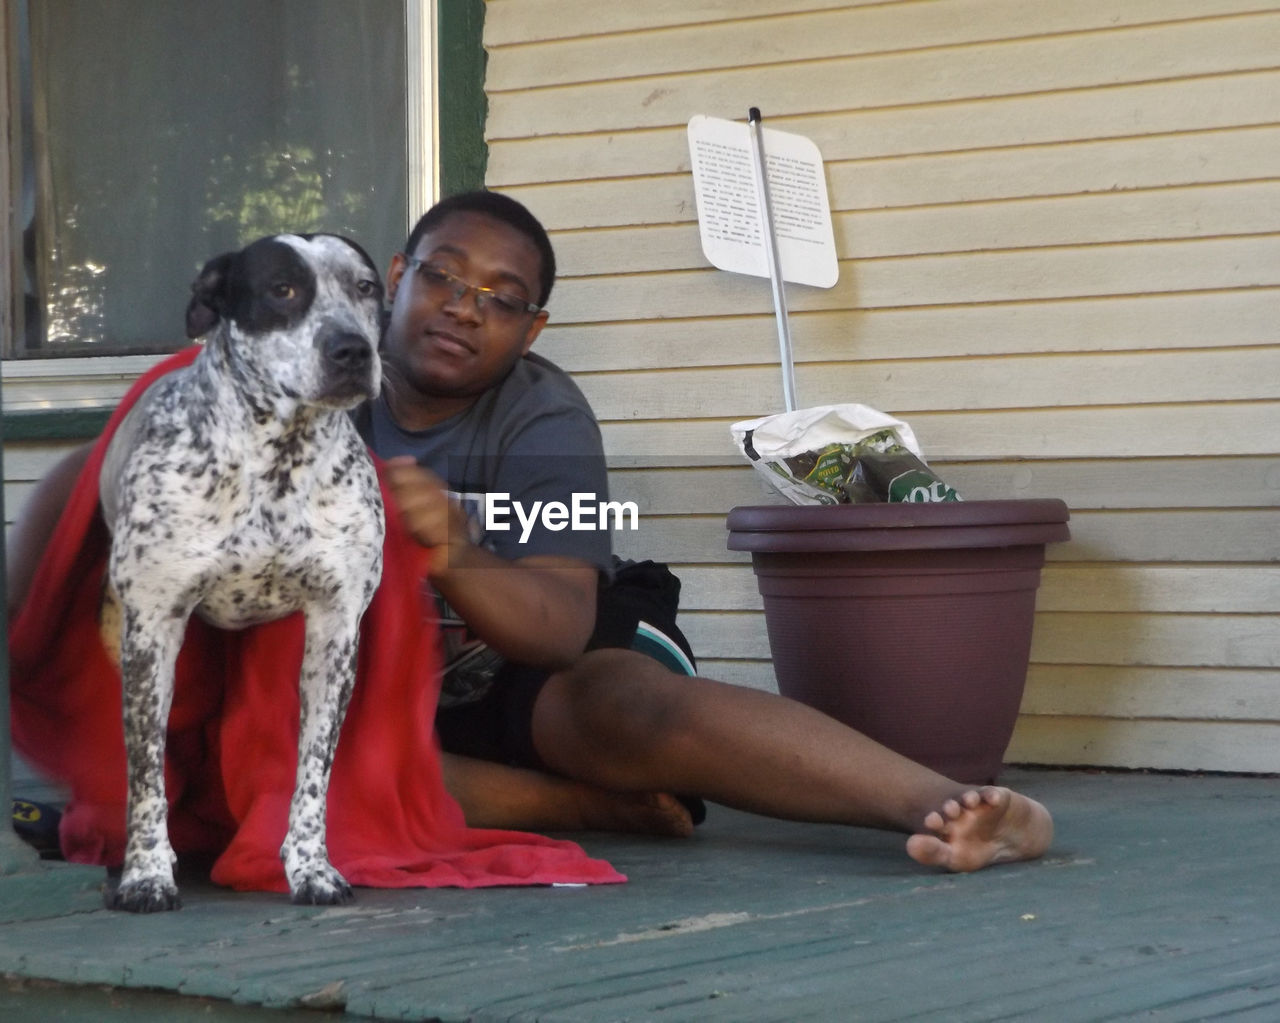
[528,443]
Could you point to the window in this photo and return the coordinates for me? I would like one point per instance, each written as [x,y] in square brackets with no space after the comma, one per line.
[156,134]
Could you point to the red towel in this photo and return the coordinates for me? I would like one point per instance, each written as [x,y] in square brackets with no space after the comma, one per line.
[232,744]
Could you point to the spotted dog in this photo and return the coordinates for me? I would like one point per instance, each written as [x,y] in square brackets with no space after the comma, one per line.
[238,490]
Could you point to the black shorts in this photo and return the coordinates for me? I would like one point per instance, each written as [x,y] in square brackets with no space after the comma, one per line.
[636,611]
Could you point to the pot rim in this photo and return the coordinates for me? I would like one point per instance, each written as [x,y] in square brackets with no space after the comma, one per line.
[778,529]
[770,518]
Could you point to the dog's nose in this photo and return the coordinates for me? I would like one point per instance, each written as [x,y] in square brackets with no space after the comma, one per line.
[348,351]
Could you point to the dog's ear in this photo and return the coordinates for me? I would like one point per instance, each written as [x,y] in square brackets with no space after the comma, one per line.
[208,296]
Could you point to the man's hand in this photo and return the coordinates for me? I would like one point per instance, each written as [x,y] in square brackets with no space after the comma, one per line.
[538,610]
[427,511]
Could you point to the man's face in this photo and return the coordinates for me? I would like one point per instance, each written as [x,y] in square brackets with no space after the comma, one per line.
[442,346]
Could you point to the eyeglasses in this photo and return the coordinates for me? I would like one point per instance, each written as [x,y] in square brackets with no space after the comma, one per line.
[443,284]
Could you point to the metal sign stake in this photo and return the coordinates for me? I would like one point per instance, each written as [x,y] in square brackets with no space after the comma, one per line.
[775,269]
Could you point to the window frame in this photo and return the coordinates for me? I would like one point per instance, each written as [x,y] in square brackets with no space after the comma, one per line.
[57,398]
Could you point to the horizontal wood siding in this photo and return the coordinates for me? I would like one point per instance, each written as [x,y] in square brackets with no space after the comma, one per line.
[1058,228]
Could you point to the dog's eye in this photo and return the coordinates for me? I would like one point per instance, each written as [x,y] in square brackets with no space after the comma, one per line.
[367,288]
[283,291]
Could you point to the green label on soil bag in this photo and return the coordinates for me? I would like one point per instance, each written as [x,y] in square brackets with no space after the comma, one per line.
[920,487]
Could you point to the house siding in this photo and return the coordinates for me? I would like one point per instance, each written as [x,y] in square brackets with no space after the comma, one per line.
[1059,237]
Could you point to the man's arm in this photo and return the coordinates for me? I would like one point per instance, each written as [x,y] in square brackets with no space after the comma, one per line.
[539,610]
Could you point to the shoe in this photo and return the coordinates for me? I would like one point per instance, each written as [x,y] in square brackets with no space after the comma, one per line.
[37,825]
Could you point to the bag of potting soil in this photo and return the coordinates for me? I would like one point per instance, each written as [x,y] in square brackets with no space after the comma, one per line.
[837,454]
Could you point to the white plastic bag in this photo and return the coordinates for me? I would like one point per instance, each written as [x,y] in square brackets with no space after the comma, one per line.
[820,455]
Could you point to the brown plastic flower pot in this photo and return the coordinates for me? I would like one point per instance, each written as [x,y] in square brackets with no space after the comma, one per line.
[909,622]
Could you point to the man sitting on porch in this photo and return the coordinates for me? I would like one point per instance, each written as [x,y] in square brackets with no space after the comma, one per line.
[537,734]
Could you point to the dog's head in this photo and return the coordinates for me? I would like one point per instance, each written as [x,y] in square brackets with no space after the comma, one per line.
[301,315]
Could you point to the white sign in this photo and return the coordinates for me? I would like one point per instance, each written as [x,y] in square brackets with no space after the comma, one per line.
[729,218]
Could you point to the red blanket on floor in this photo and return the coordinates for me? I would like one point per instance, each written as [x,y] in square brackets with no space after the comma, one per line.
[232,746]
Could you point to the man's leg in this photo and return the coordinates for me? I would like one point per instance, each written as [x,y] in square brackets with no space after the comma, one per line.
[495,795]
[621,721]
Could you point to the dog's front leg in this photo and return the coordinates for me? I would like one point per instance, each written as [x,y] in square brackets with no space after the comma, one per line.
[148,651]
[325,684]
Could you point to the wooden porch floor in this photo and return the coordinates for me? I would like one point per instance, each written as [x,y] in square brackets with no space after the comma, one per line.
[1160,900]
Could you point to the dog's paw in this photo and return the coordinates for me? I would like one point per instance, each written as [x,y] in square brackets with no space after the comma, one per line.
[324,888]
[143,895]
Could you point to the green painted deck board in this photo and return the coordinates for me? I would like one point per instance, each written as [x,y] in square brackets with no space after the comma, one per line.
[1161,898]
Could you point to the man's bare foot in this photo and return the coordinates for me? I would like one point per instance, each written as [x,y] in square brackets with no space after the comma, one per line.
[980,828]
[641,813]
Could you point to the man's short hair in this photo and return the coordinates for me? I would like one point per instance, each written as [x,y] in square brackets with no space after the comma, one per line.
[500,207]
